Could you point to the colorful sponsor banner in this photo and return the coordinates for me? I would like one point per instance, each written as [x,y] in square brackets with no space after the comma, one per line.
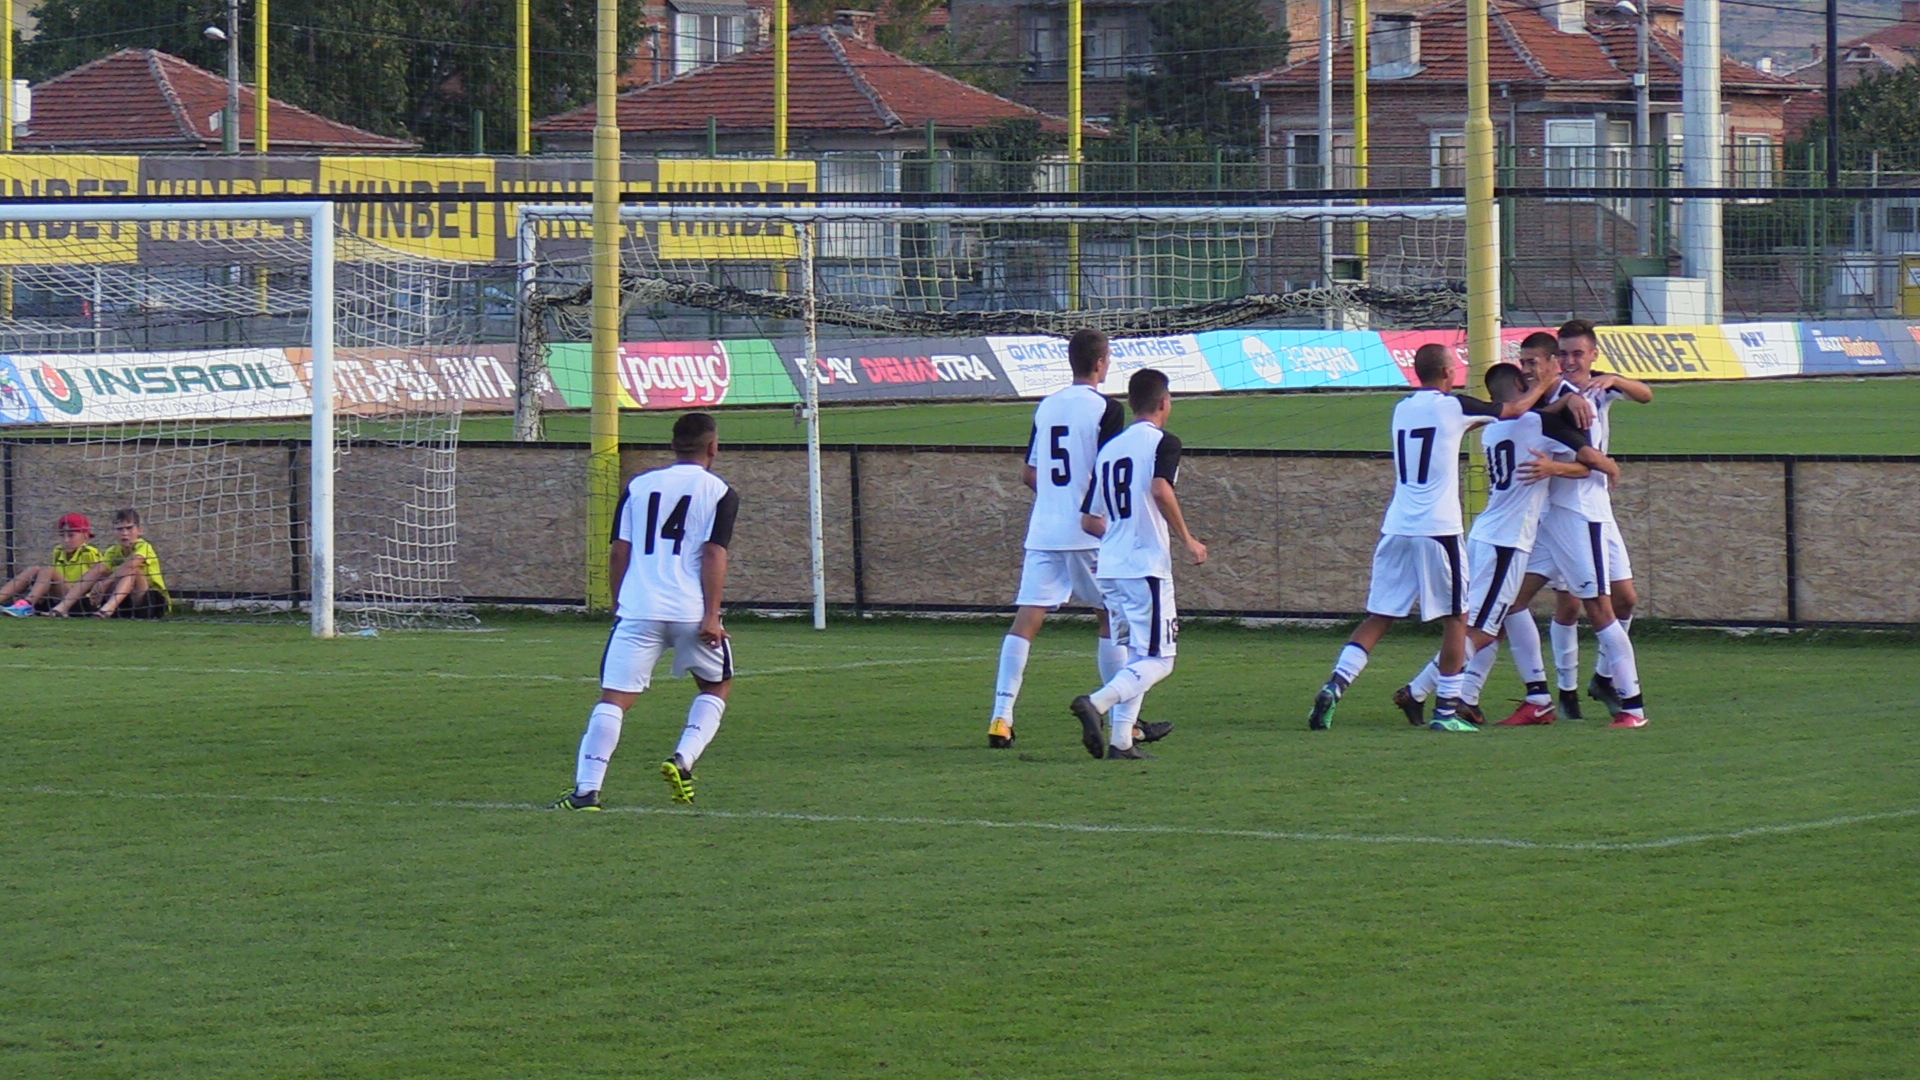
[1857,348]
[1299,359]
[900,369]
[101,388]
[1666,353]
[1402,344]
[442,227]
[473,379]
[678,374]
[1036,365]
[1766,350]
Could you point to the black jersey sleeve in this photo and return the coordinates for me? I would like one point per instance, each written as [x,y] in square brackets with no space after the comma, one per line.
[1473,406]
[620,517]
[1556,426]
[1113,421]
[1166,460]
[723,514]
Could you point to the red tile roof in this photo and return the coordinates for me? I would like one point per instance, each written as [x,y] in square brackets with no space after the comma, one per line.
[836,83]
[1903,36]
[1526,48]
[144,99]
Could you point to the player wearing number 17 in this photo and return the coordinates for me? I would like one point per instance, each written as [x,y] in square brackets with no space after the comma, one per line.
[1417,561]
[1131,507]
[668,568]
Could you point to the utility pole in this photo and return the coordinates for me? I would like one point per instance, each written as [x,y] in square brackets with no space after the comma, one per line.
[1700,248]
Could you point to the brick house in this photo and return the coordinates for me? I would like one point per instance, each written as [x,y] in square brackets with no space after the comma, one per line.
[1563,113]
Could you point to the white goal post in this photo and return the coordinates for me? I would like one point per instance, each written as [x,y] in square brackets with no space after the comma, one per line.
[904,270]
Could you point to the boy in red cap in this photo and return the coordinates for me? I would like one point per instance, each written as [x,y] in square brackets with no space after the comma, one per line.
[126,582]
[72,557]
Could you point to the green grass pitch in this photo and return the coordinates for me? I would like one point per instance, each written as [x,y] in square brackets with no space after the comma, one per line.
[232,851]
[1879,415]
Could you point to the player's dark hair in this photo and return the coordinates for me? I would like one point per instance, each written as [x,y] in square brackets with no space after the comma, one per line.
[1539,340]
[1432,362]
[1085,350]
[1504,382]
[693,431]
[1146,390]
[129,516]
[1577,328]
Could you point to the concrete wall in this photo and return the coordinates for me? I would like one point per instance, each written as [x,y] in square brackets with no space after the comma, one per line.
[943,528]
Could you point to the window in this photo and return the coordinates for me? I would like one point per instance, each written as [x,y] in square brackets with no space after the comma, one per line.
[706,36]
[1449,155]
[1901,219]
[1304,164]
[1753,161]
[1114,42]
[1572,153]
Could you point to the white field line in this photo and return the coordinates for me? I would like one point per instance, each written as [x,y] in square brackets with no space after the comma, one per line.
[1498,842]
[798,669]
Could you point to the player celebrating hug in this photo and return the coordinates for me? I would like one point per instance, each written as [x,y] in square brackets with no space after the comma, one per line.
[1418,558]
[1131,507]
[668,568]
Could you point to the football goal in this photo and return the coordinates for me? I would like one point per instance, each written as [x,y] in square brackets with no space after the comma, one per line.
[266,391]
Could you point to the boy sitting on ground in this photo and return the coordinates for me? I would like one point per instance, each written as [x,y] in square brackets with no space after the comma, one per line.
[72,557]
[127,580]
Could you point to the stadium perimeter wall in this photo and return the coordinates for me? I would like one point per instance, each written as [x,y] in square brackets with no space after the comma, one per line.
[1714,539]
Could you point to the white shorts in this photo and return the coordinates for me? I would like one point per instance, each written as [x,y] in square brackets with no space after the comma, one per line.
[1142,614]
[1051,578]
[1493,580]
[635,646]
[1423,570]
[1579,556]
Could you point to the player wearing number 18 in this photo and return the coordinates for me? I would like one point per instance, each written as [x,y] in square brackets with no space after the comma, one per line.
[668,568]
[1417,561]
[1132,508]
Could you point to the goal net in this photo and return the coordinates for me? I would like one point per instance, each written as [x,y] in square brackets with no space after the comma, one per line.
[166,365]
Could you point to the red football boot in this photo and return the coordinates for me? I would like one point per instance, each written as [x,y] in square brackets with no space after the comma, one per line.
[1528,714]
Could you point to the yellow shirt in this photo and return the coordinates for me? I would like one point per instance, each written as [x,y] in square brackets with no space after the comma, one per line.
[118,554]
[73,565]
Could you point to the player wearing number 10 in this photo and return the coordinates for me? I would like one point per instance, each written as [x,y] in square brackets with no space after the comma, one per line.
[1417,561]
[668,568]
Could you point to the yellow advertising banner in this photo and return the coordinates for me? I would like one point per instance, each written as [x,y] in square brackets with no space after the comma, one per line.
[1669,352]
[444,226]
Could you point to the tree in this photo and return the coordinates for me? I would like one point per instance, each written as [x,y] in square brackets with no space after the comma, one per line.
[1879,114]
[417,70]
[1197,45]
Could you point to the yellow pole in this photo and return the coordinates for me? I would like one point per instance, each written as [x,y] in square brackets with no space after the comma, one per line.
[1076,117]
[523,77]
[259,76]
[1362,238]
[6,97]
[1483,238]
[780,32]
[603,428]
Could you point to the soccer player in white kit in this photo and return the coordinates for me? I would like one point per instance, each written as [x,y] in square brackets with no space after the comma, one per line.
[1417,562]
[1132,507]
[1070,426]
[1581,548]
[1520,453]
[667,568]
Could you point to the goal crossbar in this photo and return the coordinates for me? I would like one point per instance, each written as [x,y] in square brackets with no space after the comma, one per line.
[319,216]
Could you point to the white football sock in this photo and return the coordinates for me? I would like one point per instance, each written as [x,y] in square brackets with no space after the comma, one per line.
[1479,666]
[596,747]
[1120,721]
[1352,661]
[1132,681]
[1523,636]
[1625,624]
[1111,658]
[1013,671]
[1423,683]
[1566,653]
[703,723]
[1448,690]
[1616,651]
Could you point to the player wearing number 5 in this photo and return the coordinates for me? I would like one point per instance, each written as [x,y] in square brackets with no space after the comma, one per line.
[668,567]
[1417,561]
[1131,507]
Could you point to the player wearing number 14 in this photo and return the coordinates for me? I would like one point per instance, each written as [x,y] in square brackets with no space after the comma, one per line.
[668,569]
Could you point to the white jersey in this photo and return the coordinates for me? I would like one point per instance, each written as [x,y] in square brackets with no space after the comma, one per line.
[667,515]
[1069,428]
[1588,496]
[1427,428]
[1512,516]
[1135,545]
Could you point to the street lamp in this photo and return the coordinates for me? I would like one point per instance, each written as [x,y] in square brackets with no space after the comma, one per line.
[230,124]
[1642,119]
